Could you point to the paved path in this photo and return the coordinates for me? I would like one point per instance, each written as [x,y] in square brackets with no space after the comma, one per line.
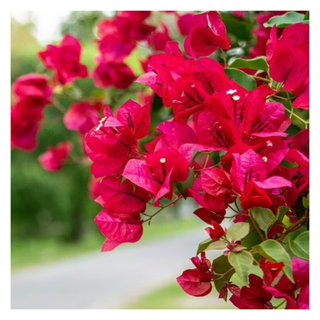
[105,280]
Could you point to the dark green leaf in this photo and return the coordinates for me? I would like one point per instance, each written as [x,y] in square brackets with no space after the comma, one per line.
[264,217]
[241,78]
[281,213]
[240,29]
[242,263]
[258,63]
[182,186]
[220,266]
[285,20]
[204,245]
[238,231]
[300,245]
[307,15]
[305,201]
[273,250]
[157,103]
[252,239]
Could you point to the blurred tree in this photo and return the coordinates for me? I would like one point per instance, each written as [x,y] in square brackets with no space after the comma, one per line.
[24,47]
[82,24]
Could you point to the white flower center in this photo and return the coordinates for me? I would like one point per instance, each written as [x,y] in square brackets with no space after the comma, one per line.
[163,160]
[231,91]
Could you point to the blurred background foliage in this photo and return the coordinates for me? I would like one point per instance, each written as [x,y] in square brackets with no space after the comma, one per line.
[55,207]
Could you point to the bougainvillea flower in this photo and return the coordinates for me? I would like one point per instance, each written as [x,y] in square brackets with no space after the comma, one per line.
[251,166]
[253,196]
[290,291]
[24,129]
[158,40]
[157,173]
[201,263]
[109,148]
[184,23]
[110,73]
[207,34]
[33,86]
[136,117]
[54,158]
[118,231]
[254,296]
[122,199]
[195,282]
[289,62]
[64,59]
[216,182]
[262,33]
[216,232]
[119,35]
[207,216]
[81,117]
[94,187]
[175,134]
[271,270]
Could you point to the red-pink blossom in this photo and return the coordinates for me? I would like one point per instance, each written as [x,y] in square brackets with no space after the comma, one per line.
[64,59]
[289,61]
[118,231]
[33,86]
[54,158]
[207,34]
[81,117]
[110,73]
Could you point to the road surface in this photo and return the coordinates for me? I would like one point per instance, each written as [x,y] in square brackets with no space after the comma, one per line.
[105,280]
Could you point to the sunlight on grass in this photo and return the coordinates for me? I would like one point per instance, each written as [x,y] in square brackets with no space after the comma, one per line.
[172,296]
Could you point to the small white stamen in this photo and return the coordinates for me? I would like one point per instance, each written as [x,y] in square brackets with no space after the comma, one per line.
[265,159]
[231,91]
[269,143]
[103,120]
[236,98]
[163,160]
[98,127]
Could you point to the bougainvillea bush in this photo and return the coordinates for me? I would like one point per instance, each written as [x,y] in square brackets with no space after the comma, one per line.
[232,134]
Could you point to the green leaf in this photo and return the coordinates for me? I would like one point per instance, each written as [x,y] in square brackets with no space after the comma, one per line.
[238,231]
[241,78]
[221,266]
[273,250]
[216,245]
[281,213]
[258,63]
[252,239]
[182,186]
[242,263]
[300,245]
[204,245]
[305,201]
[209,244]
[307,15]
[285,20]
[264,217]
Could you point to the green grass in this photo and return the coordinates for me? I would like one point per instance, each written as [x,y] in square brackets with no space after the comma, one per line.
[172,296]
[43,251]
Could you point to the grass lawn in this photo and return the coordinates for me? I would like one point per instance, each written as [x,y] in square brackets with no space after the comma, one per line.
[172,296]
